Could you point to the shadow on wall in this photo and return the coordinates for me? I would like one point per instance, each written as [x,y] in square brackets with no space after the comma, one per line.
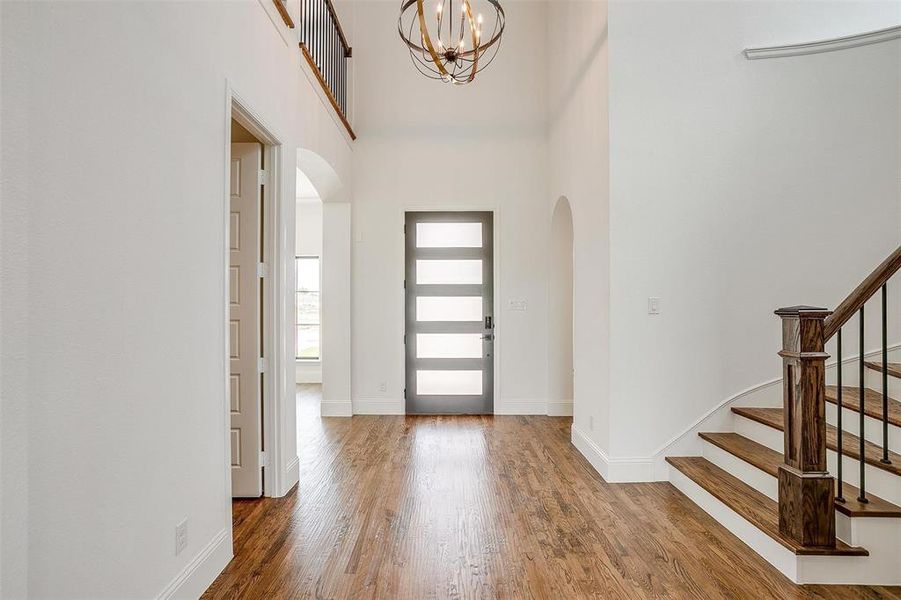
[560,311]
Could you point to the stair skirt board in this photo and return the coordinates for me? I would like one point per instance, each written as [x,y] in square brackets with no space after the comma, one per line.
[872,427]
[882,567]
[880,482]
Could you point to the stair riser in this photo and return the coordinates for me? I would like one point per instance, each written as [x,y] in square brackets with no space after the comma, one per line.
[872,427]
[882,567]
[748,473]
[882,483]
[882,537]
[872,378]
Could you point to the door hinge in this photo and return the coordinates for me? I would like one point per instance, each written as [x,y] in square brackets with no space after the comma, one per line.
[262,364]
[264,459]
[405,393]
[405,284]
[405,338]
[264,177]
[262,270]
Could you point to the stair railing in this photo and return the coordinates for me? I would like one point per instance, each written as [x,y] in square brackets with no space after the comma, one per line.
[326,50]
[807,492]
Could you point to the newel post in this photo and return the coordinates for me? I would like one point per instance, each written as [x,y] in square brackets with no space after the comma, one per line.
[806,490]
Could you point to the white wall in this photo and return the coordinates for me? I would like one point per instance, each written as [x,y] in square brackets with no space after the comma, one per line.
[426,145]
[577,48]
[737,187]
[114,130]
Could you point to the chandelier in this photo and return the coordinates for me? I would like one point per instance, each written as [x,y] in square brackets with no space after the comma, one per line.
[454,47]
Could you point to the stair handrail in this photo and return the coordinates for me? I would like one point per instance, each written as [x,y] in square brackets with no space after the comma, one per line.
[863,292]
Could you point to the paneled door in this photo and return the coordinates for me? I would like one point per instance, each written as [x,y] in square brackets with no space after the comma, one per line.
[244,320]
[449,334]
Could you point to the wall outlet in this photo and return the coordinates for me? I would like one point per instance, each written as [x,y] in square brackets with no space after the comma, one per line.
[181,536]
[383,386]
[517,305]
[653,306]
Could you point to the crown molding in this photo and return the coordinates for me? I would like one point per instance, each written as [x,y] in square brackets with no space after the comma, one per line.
[830,45]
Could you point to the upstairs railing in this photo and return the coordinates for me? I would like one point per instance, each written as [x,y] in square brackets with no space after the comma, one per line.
[807,492]
[325,48]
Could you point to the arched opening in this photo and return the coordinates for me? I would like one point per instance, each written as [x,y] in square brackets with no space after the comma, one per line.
[323,230]
[560,311]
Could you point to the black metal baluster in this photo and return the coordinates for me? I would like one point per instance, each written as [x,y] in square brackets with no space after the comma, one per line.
[840,495]
[885,459]
[861,390]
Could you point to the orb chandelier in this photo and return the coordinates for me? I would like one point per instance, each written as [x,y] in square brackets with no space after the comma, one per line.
[451,40]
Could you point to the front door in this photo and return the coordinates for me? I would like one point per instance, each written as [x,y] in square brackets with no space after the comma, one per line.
[449,313]
[244,320]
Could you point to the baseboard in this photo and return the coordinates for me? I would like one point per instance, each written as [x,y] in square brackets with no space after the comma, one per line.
[612,470]
[203,569]
[336,408]
[291,476]
[379,406]
[559,408]
[520,407]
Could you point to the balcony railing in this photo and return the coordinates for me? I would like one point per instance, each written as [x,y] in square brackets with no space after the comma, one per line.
[325,48]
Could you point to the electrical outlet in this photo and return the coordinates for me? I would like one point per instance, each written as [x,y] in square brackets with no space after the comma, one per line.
[181,536]
[517,305]
[383,386]
[653,306]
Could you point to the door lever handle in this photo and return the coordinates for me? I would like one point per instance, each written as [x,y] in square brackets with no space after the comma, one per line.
[488,336]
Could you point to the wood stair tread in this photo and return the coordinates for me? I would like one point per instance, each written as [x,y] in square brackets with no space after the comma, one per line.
[893,369]
[753,506]
[872,402]
[772,417]
[768,460]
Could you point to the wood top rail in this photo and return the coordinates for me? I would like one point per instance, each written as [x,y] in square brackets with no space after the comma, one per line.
[348,51]
[862,293]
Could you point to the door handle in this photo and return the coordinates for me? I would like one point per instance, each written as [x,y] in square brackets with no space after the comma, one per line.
[488,336]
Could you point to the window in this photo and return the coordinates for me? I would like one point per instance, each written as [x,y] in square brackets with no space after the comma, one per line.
[306,338]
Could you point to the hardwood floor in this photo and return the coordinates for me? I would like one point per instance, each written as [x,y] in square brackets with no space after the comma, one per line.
[481,507]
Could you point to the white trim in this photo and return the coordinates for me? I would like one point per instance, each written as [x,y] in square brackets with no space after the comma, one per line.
[829,45]
[203,569]
[613,470]
[291,476]
[377,405]
[336,408]
[520,407]
[559,408]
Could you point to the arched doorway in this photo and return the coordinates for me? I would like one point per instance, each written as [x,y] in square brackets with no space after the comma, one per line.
[560,311]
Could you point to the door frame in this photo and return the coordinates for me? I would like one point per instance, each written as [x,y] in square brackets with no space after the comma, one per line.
[498,319]
[274,327]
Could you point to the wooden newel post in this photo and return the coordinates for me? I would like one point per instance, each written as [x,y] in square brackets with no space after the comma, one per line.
[806,490]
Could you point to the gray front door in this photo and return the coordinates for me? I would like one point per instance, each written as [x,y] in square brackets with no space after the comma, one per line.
[450,310]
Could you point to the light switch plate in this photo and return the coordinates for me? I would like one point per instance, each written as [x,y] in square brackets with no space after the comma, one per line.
[653,306]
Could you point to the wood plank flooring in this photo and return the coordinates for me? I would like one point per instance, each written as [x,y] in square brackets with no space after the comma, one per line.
[482,507]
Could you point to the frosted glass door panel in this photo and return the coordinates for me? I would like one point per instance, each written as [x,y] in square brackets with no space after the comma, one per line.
[449,383]
[448,235]
[448,345]
[448,272]
[449,308]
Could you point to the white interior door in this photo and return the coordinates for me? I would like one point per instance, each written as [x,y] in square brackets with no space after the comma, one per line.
[244,320]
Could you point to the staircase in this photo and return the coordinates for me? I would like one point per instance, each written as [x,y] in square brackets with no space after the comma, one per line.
[831,513]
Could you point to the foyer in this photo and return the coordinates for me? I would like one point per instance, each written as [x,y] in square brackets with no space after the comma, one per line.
[481,507]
